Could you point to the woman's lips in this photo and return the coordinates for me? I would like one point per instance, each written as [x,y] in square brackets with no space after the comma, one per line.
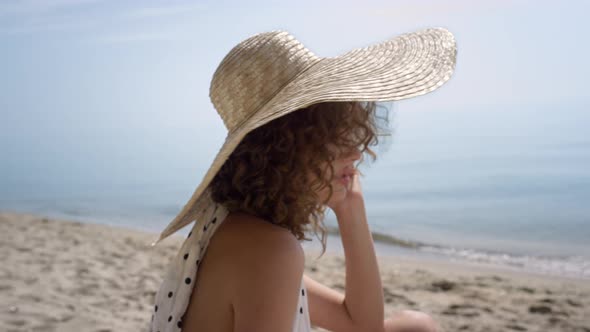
[346,176]
[345,179]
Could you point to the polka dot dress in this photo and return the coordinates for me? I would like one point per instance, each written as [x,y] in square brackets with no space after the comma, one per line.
[174,294]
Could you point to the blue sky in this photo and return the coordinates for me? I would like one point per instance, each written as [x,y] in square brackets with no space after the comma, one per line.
[124,84]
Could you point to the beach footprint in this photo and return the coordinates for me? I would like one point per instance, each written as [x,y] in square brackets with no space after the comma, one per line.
[516,327]
[442,285]
[463,310]
[391,297]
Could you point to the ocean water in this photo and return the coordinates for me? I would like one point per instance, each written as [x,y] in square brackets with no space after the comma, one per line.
[495,187]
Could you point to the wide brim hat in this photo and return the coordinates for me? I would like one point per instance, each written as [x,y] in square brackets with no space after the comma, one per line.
[271,74]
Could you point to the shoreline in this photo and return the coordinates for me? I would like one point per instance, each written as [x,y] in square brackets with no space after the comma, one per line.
[387,250]
[389,246]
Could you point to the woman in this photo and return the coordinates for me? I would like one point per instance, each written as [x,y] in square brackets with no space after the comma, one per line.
[297,125]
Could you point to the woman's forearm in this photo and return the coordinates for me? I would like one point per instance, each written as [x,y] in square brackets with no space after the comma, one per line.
[364,292]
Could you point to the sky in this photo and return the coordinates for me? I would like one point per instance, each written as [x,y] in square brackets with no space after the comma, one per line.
[121,87]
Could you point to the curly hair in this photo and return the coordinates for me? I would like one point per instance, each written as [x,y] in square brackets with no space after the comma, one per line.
[267,175]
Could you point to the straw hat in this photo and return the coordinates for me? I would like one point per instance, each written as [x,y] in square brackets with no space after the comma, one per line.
[271,74]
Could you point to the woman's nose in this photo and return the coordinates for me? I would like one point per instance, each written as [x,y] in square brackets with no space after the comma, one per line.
[354,154]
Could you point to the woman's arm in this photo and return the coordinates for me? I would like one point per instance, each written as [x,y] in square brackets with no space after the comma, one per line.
[363,300]
[326,306]
[364,293]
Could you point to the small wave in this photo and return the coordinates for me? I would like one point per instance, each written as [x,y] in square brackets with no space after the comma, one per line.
[571,266]
[384,238]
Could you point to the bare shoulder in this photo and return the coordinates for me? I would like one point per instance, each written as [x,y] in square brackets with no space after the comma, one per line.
[268,272]
[258,237]
[246,244]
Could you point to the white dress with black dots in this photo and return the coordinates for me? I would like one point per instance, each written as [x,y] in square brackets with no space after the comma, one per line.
[174,294]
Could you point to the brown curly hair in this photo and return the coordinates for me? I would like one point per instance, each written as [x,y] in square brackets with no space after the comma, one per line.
[267,175]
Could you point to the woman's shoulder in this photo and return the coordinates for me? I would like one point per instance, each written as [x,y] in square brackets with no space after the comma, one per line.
[248,247]
[246,259]
[267,273]
[255,238]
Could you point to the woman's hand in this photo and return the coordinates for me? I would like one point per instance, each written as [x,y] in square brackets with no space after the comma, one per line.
[353,199]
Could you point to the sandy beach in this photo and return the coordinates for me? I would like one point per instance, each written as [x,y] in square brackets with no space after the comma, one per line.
[64,276]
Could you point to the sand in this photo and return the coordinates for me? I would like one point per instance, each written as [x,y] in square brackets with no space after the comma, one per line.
[59,275]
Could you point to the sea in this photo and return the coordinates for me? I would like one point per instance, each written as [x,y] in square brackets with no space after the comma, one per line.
[506,186]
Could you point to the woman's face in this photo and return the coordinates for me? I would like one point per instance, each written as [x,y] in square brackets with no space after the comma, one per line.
[343,166]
